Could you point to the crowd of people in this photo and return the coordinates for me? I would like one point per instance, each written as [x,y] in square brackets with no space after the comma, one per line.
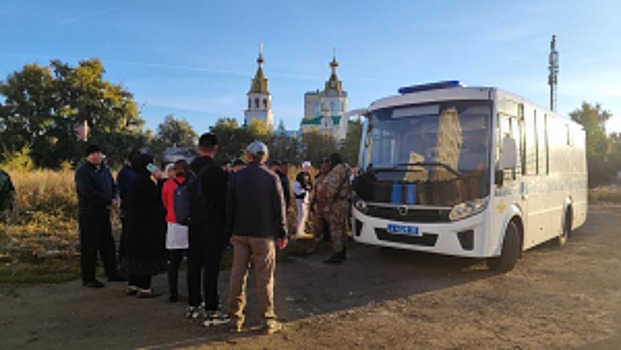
[198,210]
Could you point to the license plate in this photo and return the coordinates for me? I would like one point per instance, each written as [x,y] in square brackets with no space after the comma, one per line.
[403,229]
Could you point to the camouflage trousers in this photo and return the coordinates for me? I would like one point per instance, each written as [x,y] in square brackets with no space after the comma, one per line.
[336,222]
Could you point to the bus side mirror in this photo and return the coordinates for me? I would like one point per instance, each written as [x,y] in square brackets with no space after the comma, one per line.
[507,159]
[508,154]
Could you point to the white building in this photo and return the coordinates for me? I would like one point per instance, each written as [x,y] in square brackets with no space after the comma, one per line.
[259,98]
[323,110]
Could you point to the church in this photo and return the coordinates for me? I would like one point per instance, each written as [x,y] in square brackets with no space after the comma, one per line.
[259,98]
[324,110]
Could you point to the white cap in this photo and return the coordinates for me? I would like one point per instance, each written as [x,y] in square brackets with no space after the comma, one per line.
[257,148]
[306,164]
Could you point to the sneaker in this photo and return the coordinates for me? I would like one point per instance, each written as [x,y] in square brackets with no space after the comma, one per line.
[195,312]
[273,326]
[131,290]
[216,318]
[147,293]
[93,284]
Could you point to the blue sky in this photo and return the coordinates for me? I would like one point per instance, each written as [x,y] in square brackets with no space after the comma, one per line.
[195,59]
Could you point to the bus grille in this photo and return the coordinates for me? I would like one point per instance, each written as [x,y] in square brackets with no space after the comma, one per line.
[412,215]
[427,239]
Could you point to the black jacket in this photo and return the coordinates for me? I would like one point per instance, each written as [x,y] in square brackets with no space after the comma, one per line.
[213,182]
[146,226]
[95,188]
[255,205]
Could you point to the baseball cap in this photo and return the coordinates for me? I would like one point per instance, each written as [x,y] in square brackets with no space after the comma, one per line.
[257,148]
[92,149]
[208,140]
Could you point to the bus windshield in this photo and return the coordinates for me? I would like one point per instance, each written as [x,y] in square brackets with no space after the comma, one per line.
[431,143]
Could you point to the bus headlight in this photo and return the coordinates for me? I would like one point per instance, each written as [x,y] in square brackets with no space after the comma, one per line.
[360,204]
[469,208]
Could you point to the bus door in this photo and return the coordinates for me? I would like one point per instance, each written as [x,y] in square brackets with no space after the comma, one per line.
[511,123]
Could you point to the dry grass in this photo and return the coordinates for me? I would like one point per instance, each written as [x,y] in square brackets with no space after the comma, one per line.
[42,225]
[608,194]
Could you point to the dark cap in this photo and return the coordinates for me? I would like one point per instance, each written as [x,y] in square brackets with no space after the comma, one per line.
[92,149]
[208,140]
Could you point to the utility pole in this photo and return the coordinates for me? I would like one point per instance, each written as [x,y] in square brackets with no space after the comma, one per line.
[553,76]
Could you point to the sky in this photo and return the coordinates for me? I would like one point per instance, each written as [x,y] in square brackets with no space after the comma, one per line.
[195,59]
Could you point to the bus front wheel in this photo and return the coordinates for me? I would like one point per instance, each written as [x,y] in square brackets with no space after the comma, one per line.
[511,247]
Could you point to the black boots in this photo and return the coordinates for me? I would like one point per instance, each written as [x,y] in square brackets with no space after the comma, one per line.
[337,258]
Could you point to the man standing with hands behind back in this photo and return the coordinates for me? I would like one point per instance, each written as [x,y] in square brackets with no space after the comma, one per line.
[255,212]
[96,198]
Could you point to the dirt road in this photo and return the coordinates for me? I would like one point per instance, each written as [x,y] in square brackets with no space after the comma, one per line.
[555,299]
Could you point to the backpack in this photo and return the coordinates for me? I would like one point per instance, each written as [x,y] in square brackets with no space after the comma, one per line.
[181,202]
[189,202]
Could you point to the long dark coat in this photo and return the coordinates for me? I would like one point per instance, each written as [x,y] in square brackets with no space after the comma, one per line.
[145,218]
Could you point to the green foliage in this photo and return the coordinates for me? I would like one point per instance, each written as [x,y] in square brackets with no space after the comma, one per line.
[316,145]
[176,133]
[172,133]
[43,106]
[593,119]
[351,146]
[18,160]
[233,139]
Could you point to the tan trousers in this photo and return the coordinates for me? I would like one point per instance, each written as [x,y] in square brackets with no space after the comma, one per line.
[262,252]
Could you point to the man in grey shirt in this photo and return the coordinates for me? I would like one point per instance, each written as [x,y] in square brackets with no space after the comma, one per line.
[256,216]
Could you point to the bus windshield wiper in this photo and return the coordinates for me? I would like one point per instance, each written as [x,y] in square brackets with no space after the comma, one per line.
[431,164]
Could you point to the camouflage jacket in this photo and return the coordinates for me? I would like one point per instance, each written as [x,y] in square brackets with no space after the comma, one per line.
[337,185]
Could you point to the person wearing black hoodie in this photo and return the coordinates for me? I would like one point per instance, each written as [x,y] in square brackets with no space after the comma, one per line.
[206,234]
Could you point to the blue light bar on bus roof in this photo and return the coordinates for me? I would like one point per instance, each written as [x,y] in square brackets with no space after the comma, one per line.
[430,86]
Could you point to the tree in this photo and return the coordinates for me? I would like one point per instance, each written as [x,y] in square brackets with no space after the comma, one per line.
[176,133]
[231,138]
[351,146]
[172,133]
[593,119]
[27,111]
[43,106]
[316,145]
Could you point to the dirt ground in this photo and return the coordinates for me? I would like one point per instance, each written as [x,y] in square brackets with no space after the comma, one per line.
[556,298]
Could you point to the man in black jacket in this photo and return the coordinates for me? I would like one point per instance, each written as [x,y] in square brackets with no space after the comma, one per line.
[206,233]
[96,198]
[256,216]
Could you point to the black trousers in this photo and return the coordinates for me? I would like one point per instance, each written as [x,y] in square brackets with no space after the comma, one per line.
[204,255]
[96,236]
[174,261]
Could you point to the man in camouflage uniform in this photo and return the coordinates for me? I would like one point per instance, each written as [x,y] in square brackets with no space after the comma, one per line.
[331,206]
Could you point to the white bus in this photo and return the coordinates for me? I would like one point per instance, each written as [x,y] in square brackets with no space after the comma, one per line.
[467,171]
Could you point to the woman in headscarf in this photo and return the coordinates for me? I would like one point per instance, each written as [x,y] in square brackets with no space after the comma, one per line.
[146,227]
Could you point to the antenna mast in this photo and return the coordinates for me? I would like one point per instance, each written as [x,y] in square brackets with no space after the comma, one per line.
[553,76]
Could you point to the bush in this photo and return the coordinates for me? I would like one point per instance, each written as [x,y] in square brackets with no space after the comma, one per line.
[610,194]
